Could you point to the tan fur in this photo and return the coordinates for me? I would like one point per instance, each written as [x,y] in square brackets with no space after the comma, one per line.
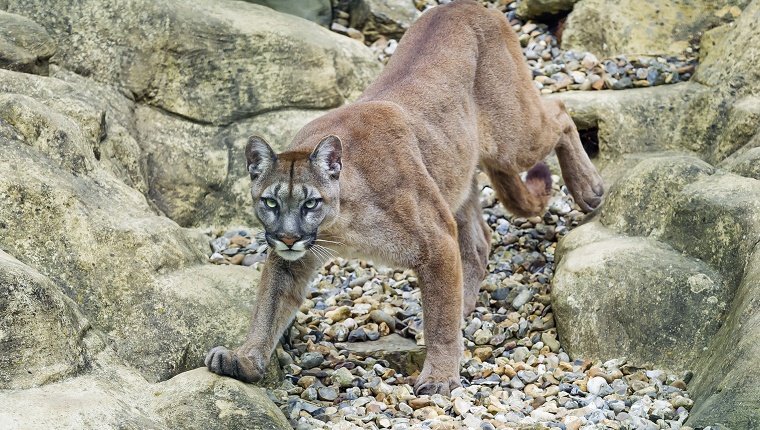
[456,94]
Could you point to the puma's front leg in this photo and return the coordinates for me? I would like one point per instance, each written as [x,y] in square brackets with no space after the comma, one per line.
[441,284]
[281,292]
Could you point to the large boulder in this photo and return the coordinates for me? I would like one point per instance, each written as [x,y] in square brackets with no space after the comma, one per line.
[41,330]
[746,162]
[103,116]
[726,385]
[638,120]
[683,297]
[708,121]
[612,27]
[138,276]
[637,298]
[717,219]
[114,396]
[640,202]
[25,46]
[202,400]
[111,398]
[212,62]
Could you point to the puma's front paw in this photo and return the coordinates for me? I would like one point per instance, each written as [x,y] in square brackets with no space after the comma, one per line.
[431,385]
[587,190]
[222,361]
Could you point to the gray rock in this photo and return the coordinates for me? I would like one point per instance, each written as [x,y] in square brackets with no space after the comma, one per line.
[522,298]
[402,354]
[747,163]
[357,335]
[319,11]
[520,354]
[41,329]
[113,396]
[146,293]
[516,383]
[609,27]
[602,278]
[25,46]
[343,377]
[500,293]
[532,9]
[311,359]
[201,400]
[327,393]
[528,376]
[152,45]
[648,191]
[632,128]
[390,18]
[716,219]
[379,316]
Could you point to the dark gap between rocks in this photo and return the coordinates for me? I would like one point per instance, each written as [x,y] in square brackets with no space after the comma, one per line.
[590,141]
[556,24]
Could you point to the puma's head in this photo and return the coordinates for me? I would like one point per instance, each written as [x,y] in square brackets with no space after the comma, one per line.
[294,193]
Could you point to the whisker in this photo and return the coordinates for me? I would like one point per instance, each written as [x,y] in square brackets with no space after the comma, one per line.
[320,258]
[328,253]
[323,258]
[329,250]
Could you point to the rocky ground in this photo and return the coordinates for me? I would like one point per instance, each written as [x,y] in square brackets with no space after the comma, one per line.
[352,353]
[555,69]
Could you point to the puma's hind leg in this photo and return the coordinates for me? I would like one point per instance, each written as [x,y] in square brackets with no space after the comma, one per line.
[474,247]
[580,175]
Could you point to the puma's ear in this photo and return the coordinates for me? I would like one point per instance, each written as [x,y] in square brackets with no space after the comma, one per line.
[259,156]
[327,156]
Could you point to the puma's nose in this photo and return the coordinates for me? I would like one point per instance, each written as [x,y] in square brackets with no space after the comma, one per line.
[287,239]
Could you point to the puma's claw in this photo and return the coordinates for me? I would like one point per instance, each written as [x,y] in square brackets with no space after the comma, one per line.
[589,195]
[432,386]
[222,361]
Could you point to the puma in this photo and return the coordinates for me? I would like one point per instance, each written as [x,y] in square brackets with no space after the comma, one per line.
[391,178]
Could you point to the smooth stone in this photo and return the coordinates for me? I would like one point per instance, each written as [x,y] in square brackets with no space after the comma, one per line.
[596,384]
[311,360]
[327,393]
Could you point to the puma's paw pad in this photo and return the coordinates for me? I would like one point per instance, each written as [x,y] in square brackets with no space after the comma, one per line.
[432,386]
[222,361]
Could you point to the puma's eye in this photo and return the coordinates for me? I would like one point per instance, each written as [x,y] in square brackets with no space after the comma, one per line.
[270,202]
[310,204]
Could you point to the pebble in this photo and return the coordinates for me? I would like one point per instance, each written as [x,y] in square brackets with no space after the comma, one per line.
[522,298]
[461,406]
[327,393]
[311,360]
[339,314]
[343,377]
[596,384]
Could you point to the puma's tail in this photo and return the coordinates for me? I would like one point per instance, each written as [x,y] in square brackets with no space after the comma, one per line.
[527,198]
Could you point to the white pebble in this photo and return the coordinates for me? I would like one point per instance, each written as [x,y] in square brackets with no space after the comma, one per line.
[596,384]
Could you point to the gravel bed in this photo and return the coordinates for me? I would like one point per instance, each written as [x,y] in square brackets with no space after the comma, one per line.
[557,70]
[514,373]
